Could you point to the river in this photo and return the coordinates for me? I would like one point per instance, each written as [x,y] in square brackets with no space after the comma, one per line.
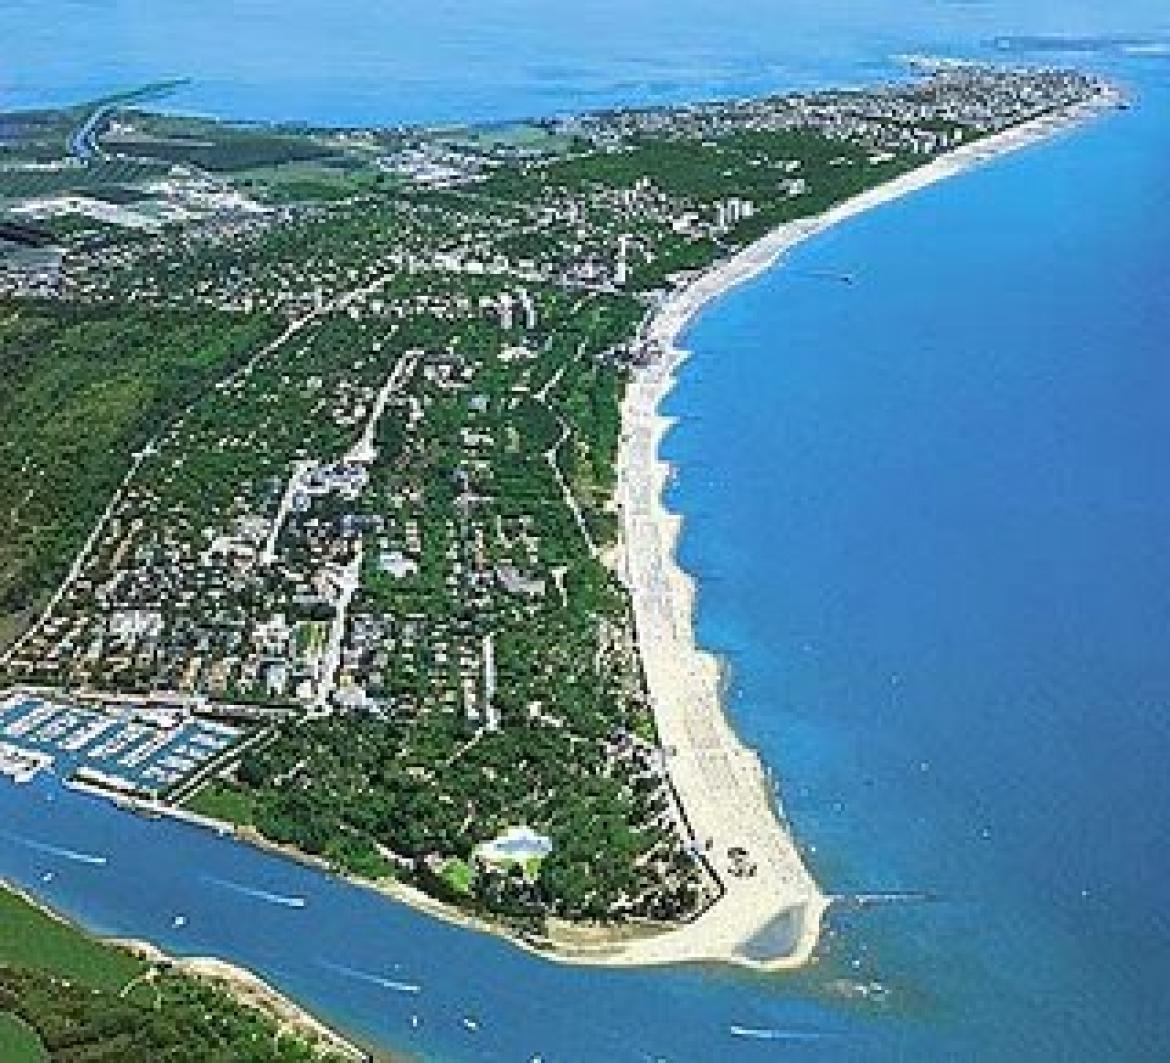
[928,512]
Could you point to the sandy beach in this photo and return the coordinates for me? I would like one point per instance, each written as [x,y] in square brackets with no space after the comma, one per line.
[243,985]
[251,990]
[770,919]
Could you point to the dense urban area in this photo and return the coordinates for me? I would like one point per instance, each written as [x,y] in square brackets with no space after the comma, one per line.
[314,432]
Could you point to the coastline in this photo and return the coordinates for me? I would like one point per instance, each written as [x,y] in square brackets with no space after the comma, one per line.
[772,920]
[252,991]
[721,784]
[242,985]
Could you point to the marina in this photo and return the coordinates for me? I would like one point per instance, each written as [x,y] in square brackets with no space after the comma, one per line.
[919,466]
[134,750]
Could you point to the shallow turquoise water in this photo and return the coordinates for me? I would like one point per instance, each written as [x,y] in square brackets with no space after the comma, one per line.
[928,512]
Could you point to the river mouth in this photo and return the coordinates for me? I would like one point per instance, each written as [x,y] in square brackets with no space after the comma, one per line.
[927,511]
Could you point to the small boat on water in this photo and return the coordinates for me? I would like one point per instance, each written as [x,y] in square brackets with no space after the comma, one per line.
[179,922]
[470,1024]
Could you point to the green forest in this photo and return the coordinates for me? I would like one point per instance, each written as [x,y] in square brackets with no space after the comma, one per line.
[68,998]
[81,388]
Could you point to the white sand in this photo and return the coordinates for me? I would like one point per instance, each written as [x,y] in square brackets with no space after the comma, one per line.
[723,788]
[245,986]
[251,991]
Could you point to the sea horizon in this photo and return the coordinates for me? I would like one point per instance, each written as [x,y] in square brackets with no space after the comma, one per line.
[882,571]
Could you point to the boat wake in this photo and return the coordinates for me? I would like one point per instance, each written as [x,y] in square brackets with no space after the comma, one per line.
[768,1034]
[56,850]
[870,900]
[257,894]
[372,979]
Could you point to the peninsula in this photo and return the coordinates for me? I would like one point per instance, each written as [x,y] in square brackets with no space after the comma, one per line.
[337,509]
[64,994]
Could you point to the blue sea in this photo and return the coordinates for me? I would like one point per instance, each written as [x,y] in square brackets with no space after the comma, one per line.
[929,513]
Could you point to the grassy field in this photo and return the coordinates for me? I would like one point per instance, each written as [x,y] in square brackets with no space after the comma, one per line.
[67,996]
[98,176]
[457,874]
[30,938]
[215,146]
[517,135]
[19,1044]
[299,181]
[221,801]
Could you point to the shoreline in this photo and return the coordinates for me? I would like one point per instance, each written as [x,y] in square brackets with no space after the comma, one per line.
[772,920]
[722,785]
[250,990]
[243,986]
